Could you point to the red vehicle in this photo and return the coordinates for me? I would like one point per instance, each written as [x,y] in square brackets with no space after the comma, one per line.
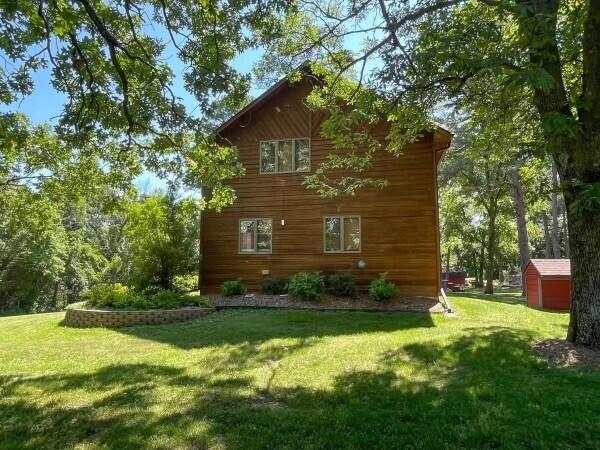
[454,280]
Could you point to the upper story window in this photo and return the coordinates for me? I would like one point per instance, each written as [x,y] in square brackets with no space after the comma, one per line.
[289,155]
[342,234]
[256,235]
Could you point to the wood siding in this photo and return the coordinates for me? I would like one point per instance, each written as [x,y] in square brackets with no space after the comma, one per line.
[399,224]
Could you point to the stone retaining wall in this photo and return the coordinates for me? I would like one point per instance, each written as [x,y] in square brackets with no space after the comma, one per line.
[89,318]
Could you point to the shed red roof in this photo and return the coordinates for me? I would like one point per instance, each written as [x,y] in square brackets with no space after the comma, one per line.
[552,267]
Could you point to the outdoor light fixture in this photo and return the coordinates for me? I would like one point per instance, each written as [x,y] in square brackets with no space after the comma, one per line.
[362,264]
[283,222]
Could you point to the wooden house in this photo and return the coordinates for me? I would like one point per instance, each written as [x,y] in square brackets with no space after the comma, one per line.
[548,283]
[277,227]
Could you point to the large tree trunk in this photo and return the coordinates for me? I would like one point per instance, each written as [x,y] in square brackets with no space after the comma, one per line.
[481,264]
[555,228]
[565,231]
[200,217]
[547,243]
[583,214]
[584,234]
[491,254]
[519,200]
[577,155]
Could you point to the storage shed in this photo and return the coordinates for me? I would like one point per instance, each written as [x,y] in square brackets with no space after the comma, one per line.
[548,283]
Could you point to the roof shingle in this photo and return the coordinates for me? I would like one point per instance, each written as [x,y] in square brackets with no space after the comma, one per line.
[552,267]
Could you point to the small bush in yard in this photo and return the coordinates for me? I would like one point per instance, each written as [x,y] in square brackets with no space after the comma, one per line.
[185,283]
[140,301]
[121,297]
[151,290]
[381,289]
[341,284]
[274,285]
[307,286]
[195,300]
[233,287]
[166,299]
[104,295]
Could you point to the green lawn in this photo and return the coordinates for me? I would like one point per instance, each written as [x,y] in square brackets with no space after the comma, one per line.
[297,379]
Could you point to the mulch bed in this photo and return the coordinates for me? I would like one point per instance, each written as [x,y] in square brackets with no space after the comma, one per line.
[361,303]
[560,353]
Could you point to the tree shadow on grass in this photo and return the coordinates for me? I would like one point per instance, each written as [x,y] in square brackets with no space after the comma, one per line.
[509,297]
[483,389]
[253,327]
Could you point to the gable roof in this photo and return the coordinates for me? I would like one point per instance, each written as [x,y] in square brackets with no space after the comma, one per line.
[258,101]
[551,267]
[280,86]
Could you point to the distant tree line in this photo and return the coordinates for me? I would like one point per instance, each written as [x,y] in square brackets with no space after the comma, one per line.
[54,248]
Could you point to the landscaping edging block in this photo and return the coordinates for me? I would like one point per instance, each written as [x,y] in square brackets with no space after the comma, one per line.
[90,318]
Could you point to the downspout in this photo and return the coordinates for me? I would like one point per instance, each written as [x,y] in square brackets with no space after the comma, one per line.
[439,151]
[200,243]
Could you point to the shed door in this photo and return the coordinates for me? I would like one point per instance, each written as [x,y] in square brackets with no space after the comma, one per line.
[557,293]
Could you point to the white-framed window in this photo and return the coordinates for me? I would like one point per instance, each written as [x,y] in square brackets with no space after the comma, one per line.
[341,234]
[285,156]
[256,235]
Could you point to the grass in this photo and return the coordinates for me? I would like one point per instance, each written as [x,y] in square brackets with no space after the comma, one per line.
[297,379]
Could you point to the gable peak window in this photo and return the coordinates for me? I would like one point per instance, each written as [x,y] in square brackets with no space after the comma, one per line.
[256,235]
[285,156]
[342,234]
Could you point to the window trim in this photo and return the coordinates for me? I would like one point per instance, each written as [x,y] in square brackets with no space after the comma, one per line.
[255,251]
[260,143]
[342,217]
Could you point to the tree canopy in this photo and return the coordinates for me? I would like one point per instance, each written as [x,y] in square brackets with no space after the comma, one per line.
[111,62]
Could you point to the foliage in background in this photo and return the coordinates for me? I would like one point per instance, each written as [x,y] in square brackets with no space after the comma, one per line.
[162,234]
[185,283]
[53,247]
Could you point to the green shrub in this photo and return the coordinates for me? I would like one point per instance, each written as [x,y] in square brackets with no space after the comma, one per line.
[185,283]
[307,286]
[151,290]
[381,289]
[105,295]
[233,287]
[195,300]
[341,284]
[121,297]
[274,285]
[167,299]
[123,300]
[139,301]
